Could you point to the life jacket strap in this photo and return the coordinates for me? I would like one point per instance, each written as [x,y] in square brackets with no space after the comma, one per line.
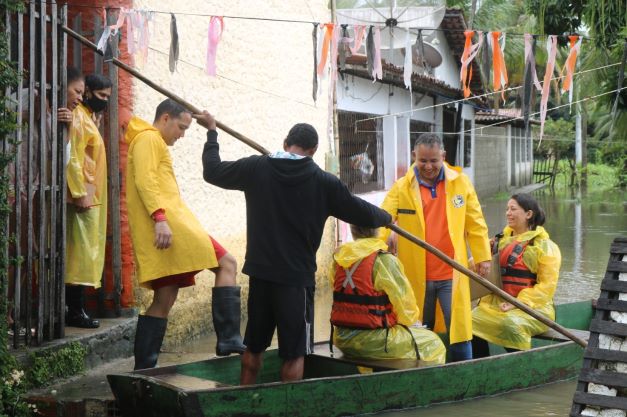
[379,300]
[517,273]
[349,276]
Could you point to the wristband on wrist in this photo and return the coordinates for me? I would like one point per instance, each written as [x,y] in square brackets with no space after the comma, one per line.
[159,216]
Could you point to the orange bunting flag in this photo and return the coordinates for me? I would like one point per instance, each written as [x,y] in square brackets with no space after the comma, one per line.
[569,65]
[551,50]
[326,44]
[499,76]
[470,51]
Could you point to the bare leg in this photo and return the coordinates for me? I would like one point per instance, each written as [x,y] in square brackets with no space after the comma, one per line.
[162,301]
[293,369]
[226,271]
[251,364]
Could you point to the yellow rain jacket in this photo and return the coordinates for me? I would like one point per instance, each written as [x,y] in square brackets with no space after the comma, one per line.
[514,328]
[151,185]
[86,175]
[466,225]
[389,278]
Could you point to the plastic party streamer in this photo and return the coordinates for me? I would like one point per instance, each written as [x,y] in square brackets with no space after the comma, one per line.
[499,74]
[551,48]
[470,51]
[214,34]
[569,66]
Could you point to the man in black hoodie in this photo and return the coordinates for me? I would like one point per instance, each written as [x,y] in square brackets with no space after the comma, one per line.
[288,199]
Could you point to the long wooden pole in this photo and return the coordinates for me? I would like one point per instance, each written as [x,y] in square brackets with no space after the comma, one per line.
[395,228]
[496,290]
[164,91]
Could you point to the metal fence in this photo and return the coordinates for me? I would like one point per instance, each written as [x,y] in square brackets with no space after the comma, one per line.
[361,152]
[37,223]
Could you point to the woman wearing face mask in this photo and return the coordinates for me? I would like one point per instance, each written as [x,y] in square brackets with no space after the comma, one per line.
[87,198]
[530,263]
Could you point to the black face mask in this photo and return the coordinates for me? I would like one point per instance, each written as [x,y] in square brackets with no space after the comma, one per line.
[96,104]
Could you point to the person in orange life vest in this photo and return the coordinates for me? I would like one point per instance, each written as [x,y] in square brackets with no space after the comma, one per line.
[87,195]
[374,313]
[438,204]
[530,264]
[170,245]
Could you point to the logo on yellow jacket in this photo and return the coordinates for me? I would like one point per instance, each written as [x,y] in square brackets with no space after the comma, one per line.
[458,201]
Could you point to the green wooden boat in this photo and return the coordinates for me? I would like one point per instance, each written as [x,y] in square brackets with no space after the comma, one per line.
[337,386]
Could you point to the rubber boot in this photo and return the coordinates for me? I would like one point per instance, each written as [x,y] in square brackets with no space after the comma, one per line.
[76,315]
[148,340]
[226,310]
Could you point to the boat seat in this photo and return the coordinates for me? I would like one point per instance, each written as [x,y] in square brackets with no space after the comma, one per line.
[188,382]
[322,351]
[555,335]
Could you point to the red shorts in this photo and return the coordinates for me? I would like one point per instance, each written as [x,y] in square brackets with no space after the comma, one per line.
[186,279]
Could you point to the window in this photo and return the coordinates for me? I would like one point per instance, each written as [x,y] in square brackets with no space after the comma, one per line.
[361,152]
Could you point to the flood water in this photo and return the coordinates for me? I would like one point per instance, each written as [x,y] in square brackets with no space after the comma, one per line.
[583,227]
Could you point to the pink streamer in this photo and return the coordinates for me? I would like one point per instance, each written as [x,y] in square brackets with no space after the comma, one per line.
[335,39]
[377,70]
[214,34]
[551,46]
[360,33]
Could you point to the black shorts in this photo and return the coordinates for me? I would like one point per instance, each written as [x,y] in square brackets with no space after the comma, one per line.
[289,309]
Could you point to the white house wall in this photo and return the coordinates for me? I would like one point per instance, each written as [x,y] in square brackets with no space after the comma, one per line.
[264,87]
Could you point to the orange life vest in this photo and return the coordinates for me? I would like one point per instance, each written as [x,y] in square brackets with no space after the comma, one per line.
[514,273]
[356,304]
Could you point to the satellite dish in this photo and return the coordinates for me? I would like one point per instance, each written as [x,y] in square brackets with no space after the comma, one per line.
[432,58]
[393,14]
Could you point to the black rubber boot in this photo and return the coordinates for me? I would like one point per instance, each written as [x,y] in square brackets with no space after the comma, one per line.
[148,340]
[76,315]
[226,310]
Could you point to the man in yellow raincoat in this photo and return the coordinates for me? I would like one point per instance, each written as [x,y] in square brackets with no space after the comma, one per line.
[530,264]
[87,186]
[439,205]
[374,311]
[170,244]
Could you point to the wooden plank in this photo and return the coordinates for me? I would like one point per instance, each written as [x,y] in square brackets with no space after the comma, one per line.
[62,223]
[113,156]
[606,355]
[600,400]
[53,311]
[77,60]
[617,266]
[618,247]
[607,378]
[30,175]
[614,285]
[554,335]
[612,305]
[608,327]
[42,279]
[187,382]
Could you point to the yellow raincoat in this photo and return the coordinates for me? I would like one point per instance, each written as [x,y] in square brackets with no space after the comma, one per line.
[514,328]
[151,185]
[86,175]
[388,277]
[466,225]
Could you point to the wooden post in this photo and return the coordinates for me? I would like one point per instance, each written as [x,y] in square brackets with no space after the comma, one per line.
[113,156]
[54,311]
[42,281]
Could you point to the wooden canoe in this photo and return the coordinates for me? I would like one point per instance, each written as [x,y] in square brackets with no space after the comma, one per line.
[337,386]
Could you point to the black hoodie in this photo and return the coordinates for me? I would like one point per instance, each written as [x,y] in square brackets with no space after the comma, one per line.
[287,204]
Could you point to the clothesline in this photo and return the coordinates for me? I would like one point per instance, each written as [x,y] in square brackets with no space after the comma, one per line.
[400,113]
[235,81]
[311,22]
[509,120]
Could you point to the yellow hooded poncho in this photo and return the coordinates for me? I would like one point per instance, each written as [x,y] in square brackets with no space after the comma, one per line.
[467,229]
[151,185]
[388,277]
[514,328]
[86,175]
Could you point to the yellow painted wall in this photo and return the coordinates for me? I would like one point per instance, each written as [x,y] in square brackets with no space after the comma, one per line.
[263,87]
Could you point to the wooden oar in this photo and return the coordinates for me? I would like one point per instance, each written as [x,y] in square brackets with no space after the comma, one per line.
[164,91]
[397,229]
[496,290]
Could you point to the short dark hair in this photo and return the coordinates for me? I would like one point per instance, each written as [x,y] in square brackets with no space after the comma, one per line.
[429,139]
[171,107]
[302,135]
[97,82]
[527,202]
[74,74]
[360,232]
